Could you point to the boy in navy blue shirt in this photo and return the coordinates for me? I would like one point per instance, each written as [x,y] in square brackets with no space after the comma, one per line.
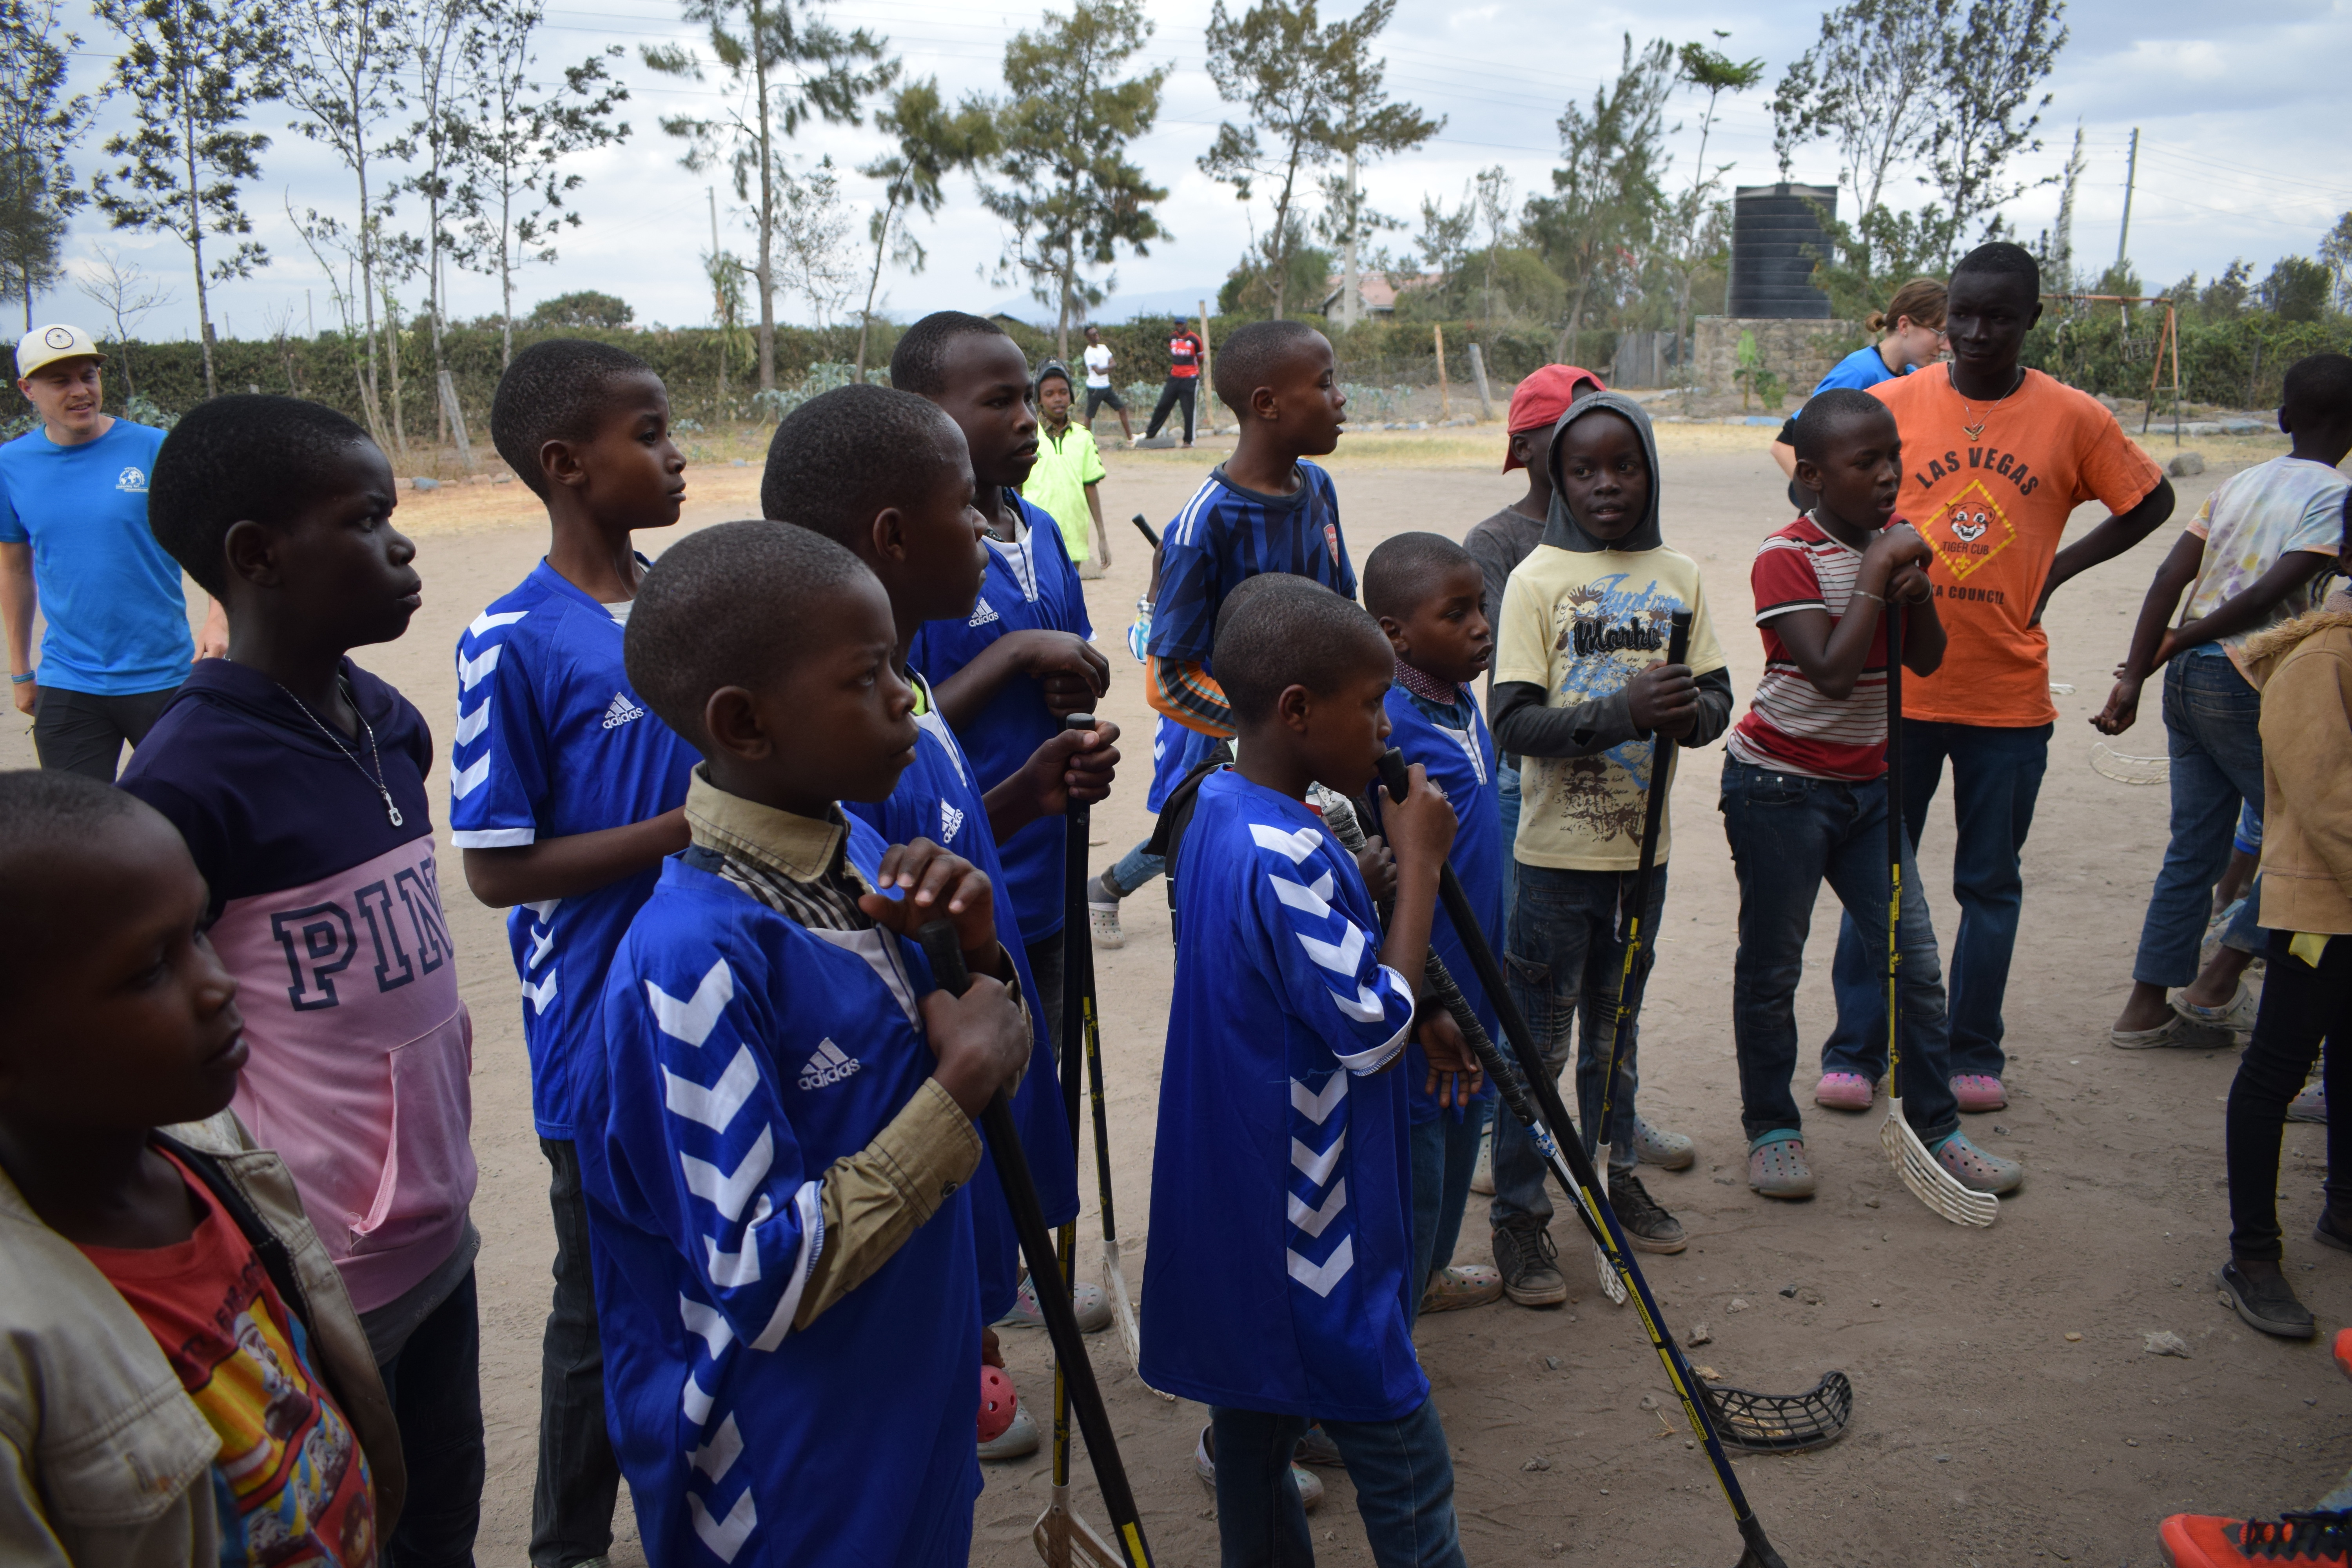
[1294,1002]
[1426,590]
[1262,510]
[912,522]
[1008,670]
[564,795]
[297,780]
[782,1239]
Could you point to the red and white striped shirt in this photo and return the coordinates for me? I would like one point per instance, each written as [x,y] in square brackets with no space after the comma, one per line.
[1791,727]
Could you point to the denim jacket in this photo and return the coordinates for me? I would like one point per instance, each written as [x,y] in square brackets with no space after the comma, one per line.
[106,1460]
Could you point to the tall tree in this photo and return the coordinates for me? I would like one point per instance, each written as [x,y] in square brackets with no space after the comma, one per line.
[1991,64]
[126,294]
[2336,251]
[812,255]
[1605,194]
[1069,195]
[345,85]
[39,126]
[929,140]
[1698,229]
[1364,125]
[783,65]
[515,134]
[1310,94]
[191,71]
[434,49]
[1868,85]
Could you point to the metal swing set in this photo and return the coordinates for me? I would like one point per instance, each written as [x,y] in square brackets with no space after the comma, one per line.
[2168,340]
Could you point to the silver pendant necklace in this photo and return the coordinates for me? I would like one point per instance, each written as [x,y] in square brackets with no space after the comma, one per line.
[1976,431]
[390,810]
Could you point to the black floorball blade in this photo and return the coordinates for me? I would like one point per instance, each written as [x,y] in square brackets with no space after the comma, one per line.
[1758,1553]
[1781,1423]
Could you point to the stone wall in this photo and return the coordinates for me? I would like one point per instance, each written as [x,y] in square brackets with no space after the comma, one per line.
[1799,352]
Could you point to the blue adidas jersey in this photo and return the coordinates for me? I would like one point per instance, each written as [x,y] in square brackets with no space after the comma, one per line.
[1029,586]
[1226,535]
[553,740]
[745,1053]
[1459,753]
[1176,751]
[1281,1185]
[938,799]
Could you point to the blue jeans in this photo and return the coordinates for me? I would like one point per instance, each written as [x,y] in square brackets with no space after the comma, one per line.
[1996,777]
[1134,868]
[2212,723]
[1507,777]
[1445,1156]
[1564,957]
[1401,1471]
[1789,835]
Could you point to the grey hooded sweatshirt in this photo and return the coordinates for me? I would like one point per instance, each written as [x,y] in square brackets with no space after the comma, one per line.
[1522,724]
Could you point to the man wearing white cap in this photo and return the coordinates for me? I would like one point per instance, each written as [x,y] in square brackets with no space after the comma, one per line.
[74,542]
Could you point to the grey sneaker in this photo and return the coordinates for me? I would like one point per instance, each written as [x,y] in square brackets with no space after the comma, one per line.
[1102,915]
[1525,1255]
[1657,1146]
[1649,1227]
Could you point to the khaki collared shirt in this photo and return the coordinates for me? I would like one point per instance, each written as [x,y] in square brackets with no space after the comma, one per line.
[875,1199]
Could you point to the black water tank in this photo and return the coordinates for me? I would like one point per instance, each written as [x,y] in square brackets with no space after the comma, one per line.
[1776,237]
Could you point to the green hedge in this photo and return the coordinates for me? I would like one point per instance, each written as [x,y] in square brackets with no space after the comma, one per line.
[2234,362]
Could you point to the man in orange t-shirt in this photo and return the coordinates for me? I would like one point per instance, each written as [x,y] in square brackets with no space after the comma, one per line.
[1996,458]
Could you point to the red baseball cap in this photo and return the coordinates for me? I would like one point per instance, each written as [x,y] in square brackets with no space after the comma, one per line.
[1543,397]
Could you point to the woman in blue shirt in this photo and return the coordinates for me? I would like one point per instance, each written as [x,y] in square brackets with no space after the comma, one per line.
[1913,323]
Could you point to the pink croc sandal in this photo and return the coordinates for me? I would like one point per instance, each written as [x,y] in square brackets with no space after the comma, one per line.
[1844,1091]
[1978,1092]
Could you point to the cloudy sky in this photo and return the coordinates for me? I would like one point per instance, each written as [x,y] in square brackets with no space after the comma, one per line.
[2240,143]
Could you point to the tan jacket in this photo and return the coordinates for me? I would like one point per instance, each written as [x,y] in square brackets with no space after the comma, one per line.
[2304,670]
[107,1461]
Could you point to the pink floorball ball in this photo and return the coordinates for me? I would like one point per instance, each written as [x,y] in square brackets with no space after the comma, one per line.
[997,1403]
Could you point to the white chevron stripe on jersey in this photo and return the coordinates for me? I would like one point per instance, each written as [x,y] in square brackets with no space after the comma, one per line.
[809,1203]
[465,781]
[471,673]
[1297,846]
[728,1192]
[541,994]
[718,1456]
[716,1106]
[1317,1168]
[1365,1009]
[1320,1277]
[725,1537]
[1317,1107]
[471,725]
[693,1402]
[707,1323]
[1315,900]
[1315,1221]
[1340,957]
[487,621]
[542,943]
[693,1019]
[733,1269]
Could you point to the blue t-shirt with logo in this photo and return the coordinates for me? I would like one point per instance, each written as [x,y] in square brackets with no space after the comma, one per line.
[118,623]
[551,741]
[1226,535]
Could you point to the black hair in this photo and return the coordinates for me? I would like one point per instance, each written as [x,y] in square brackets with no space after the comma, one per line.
[840,459]
[47,819]
[1249,588]
[2318,389]
[1284,637]
[247,458]
[1251,356]
[558,390]
[1402,573]
[730,605]
[2003,259]
[919,362]
[1839,408]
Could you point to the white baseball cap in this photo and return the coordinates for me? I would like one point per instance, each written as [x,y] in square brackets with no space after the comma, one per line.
[47,345]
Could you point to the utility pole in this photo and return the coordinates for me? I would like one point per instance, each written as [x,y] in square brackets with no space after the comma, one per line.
[717,302]
[2131,172]
[1350,306]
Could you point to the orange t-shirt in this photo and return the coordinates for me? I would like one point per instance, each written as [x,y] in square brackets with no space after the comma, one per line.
[1993,510]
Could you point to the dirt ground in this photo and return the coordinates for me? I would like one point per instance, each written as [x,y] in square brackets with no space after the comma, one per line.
[1982,1433]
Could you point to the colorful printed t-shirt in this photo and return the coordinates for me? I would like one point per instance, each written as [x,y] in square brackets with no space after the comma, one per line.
[551,741]
[2254,520]
[1226,534]
[1580,624]
[1067,464]
[1281,1185]
[1994,509]
[290,1484]
[115,621]
[1030,586]
[1791,727]
[329,916]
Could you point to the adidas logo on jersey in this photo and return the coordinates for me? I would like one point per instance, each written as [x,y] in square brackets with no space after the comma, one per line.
[621,711]
[951,824]
[982,615]
[827,1065]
